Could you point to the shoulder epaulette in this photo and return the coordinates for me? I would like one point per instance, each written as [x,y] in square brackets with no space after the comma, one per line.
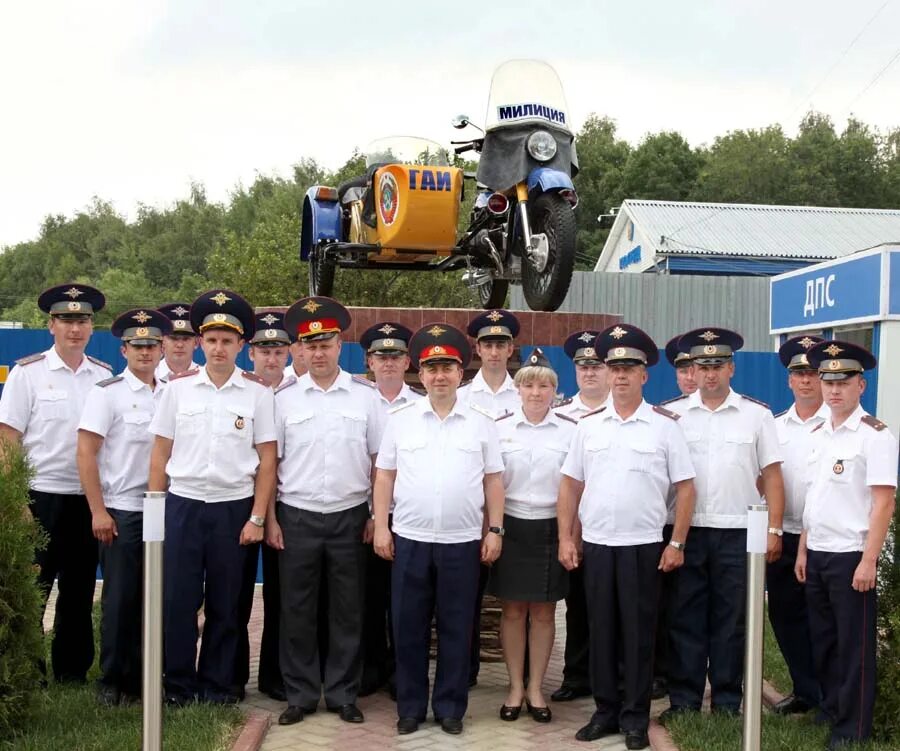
[503,416]
[873,422]
[394,410]
[818,427]
[99,362]
[563,416]
[755,401]
[563,403]
[673,399]
[286,383]
[593,412]
[253,377]
[184,375]
[30,359]
[465,383]
[417,390]
[666,412]
[109,381]
[482,411]
[782,414]
[364,381]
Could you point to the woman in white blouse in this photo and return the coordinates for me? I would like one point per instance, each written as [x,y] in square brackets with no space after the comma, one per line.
[528,577]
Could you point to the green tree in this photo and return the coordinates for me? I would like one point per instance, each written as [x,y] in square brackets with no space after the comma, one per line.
[663,167]
[814,163]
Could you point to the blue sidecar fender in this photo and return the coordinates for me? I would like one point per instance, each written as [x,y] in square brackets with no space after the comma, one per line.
[321,218]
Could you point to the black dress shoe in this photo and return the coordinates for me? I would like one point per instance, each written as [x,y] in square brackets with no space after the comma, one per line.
[725,711]
[673,712]
[407,725]
[178,700]
[274,692]
[540,714]
[348,713]
[292,715]
[569,693]
[659,689]
[594,730]
[452,725]
[510,714]
[636,739]
[791,705]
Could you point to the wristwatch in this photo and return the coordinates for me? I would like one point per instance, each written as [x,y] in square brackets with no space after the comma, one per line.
[777,531]
[497,530]
[258,521]
[677,545]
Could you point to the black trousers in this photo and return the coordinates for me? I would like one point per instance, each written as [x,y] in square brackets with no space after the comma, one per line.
[71,556]
[204,563]
[122,563]
[661,655]
[623,584]
[576,669]
[790,621]
[269,676]
[842,628]
[484,573]
[707,619]
[429,578]
[245,609]
[378,656]
[321,547]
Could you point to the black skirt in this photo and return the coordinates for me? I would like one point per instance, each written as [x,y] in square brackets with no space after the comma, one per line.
[528,568]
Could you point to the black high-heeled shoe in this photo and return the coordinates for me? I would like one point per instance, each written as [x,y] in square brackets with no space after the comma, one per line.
[510,714]
[539,714]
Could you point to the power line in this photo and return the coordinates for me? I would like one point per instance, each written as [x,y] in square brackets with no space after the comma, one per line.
[878,75]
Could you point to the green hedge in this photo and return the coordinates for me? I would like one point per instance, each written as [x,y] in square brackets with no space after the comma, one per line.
[887,704]
[21,603]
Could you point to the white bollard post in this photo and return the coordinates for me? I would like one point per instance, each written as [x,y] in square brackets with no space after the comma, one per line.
[154,535]
[757,542]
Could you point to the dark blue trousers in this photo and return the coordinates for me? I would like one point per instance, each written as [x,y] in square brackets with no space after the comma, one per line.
[842,630]
[576,670]
[707,619]
[203,565]
[428,577]
[122,564]
[788,616]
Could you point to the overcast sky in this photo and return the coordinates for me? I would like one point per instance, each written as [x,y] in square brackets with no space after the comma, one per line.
[131,101]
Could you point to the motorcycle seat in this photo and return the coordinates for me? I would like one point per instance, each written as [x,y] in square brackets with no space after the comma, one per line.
[353,189]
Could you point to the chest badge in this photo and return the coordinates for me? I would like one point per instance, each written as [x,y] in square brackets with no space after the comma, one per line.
[239,423]
[838,467]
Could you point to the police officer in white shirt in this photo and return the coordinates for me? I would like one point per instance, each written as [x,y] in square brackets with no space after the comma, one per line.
[114,446]
[786,596]
[684,372]
[593,391]
[268,352]
[849,505]
[623,460]
[40,408]
[215,450]
[733,440]
[328,433]
[440,464]
[178,346]
[296,367]
[386,345]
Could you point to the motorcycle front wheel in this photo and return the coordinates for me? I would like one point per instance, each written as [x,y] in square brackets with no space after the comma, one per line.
[551,215]
[321,275]
[493,294]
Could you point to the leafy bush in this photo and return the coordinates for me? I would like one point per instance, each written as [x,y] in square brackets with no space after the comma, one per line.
[887,705]
[21,603]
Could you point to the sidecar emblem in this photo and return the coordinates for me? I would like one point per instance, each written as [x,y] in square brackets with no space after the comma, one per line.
[389,205]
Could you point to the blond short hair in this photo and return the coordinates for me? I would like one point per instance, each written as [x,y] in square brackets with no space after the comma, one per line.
[532,373]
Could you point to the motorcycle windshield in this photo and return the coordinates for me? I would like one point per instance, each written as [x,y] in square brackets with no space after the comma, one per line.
[406,150]
[526,91]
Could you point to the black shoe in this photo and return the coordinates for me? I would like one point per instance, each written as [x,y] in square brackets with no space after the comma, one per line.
[274,692]
[407,725]
[108,696]
[348,713]
[636,739]
[569,693]
[292,715]
[821,718]
[726,711]
[178,700]
[594,730]
[452,725]
[539,714]
[673,712]
[510,714]
[791,705]
[660,688]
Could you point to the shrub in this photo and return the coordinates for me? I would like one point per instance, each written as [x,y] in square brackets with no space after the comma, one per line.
[887,705]
[21,602]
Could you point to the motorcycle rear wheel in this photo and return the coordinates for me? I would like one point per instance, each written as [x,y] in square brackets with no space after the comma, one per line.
[552,215]
[493,294]
[321,275]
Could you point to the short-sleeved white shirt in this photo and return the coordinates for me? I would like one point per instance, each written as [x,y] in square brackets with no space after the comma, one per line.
[120,413]
[532,458]
[326,439]
[795,439]
[844,464]
[215,433]
[43,399]
[627,467]
[163,373]
[729,448]
[577,408]
[405,396]
[499,402]
[440,465]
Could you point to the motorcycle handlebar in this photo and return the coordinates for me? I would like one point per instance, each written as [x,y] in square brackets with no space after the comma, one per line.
[464,148]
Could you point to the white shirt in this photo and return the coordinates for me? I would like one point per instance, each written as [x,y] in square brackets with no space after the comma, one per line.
[839,503]
[440,465]
[729,447]
[385,407]
[120,413]
[289,371]
[795,440]
[163,373]
[215,434]
[326,439]
[577,408]
[42,399]
[532,458]
[499,402]
[627,467]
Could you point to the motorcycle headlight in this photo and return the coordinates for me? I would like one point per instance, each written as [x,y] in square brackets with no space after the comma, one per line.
[542,146]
